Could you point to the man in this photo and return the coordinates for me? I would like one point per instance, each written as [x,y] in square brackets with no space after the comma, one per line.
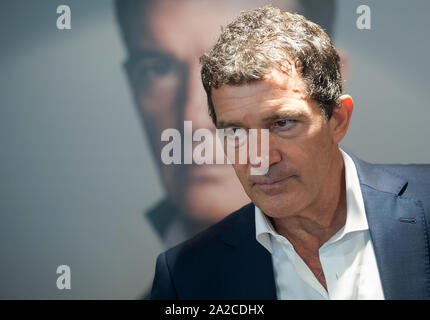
[164,40]
[322,224]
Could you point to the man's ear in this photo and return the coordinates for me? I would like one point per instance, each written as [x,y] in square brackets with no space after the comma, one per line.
[339,121]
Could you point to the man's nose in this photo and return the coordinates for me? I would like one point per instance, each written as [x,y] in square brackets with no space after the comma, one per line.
[275,147]
[267,152]
[195,104]
[274,156]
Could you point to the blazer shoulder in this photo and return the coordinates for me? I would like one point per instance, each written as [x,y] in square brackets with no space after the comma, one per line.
[409,171]
[406,180]
[408,177]
[416,175]
[189,267]
[212,235]
[417,182]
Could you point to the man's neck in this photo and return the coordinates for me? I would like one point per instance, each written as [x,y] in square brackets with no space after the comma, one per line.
[309,229]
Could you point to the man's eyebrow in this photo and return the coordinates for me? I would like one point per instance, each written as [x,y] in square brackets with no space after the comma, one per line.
[281,115]
[139,54]
[228,124]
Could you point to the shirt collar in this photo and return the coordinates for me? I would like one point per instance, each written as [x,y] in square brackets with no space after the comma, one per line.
[355,212]
[263,229]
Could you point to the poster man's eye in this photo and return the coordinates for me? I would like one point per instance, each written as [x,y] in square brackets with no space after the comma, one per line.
[236,135]
[235,132]
[153,68]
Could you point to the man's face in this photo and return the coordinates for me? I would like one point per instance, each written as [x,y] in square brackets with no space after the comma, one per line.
[302,148]
[167,40]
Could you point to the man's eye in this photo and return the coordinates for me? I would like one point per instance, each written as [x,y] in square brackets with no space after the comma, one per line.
[235,132]
[154,67]
[148,69]
[283,124]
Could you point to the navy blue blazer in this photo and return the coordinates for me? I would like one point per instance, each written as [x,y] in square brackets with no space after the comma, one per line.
[226,261]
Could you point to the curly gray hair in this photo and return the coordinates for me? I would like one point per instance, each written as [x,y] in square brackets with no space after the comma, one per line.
[263,39]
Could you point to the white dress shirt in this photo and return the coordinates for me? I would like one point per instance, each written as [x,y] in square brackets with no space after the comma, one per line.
[347,258]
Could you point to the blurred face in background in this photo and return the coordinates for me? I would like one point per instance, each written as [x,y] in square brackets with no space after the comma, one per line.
[165,44]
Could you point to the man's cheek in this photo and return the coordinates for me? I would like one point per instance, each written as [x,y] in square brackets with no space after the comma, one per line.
[259,151]
[241,172]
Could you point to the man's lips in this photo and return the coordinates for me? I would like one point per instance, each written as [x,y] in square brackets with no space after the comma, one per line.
[269,182]
[272,186]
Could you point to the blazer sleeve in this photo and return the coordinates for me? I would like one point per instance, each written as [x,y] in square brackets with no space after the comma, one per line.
[162,286]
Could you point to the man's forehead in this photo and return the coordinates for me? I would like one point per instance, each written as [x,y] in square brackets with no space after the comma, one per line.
[260,101]
[167,25]
[231,8]
[275,85]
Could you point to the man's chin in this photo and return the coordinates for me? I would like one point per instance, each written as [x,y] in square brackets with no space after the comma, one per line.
[279,204]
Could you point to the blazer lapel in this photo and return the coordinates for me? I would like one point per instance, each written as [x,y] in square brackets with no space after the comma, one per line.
[398,231]
[251,276]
